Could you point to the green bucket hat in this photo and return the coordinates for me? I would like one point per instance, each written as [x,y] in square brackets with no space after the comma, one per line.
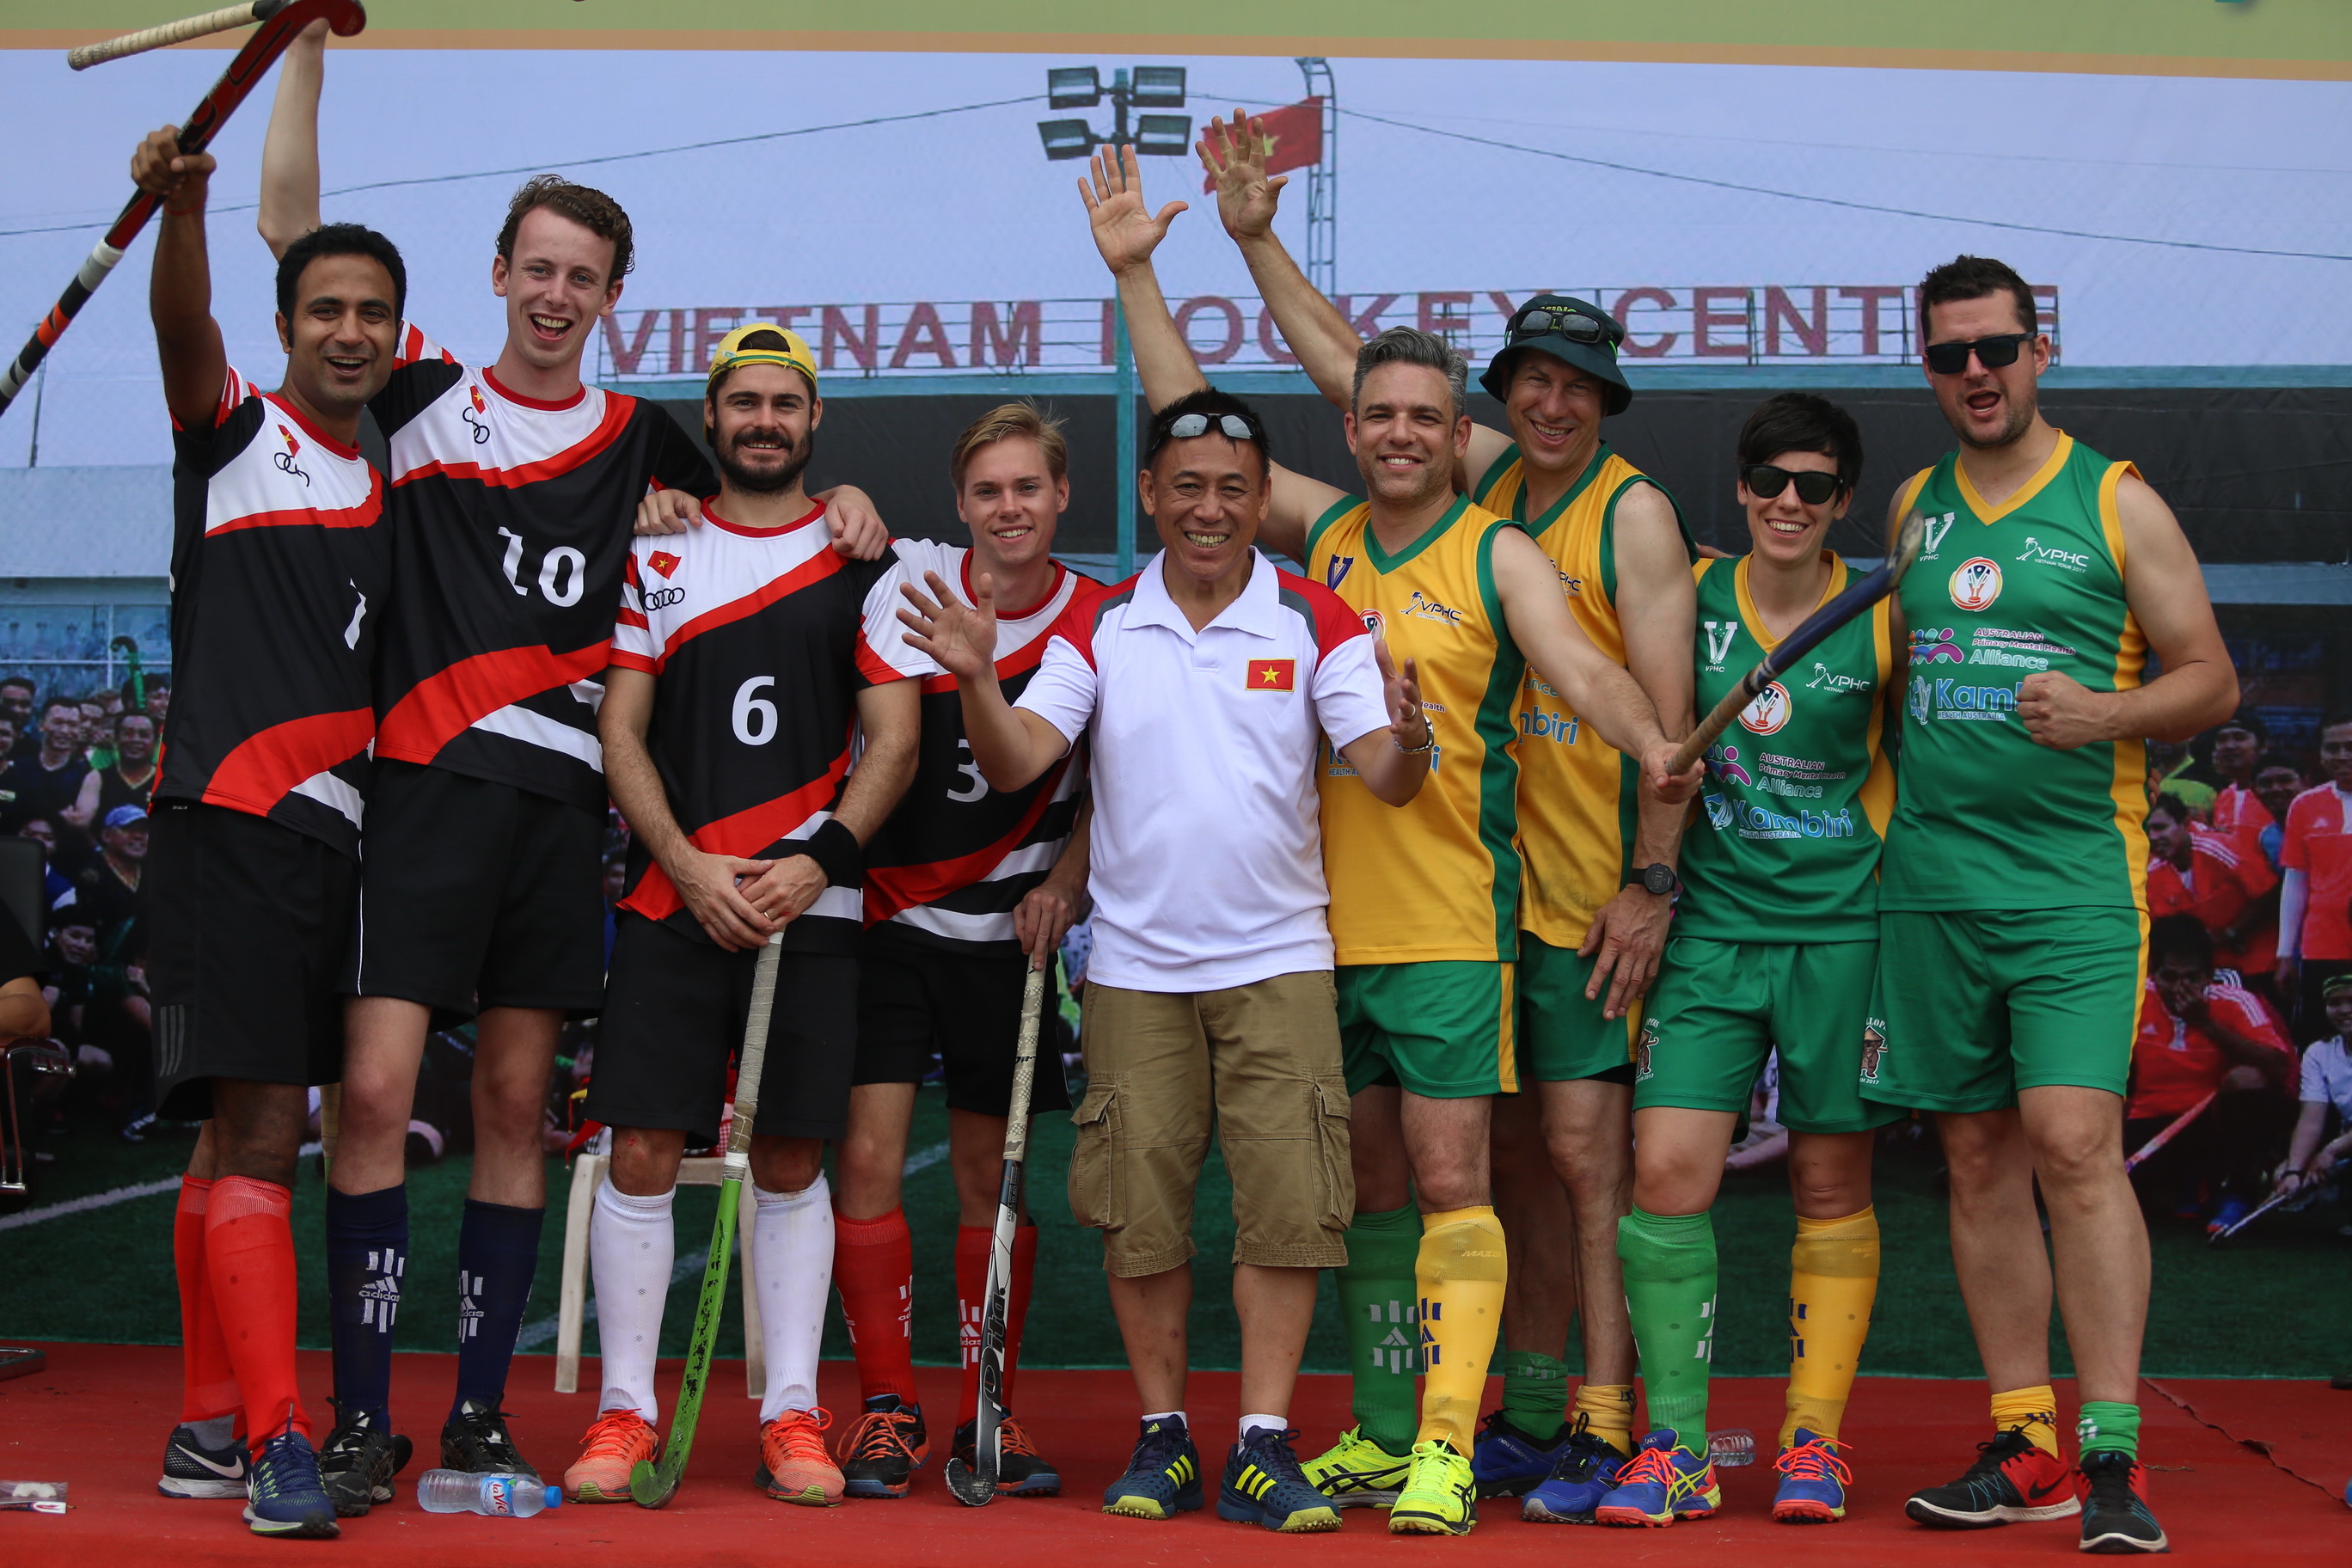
[1574,330]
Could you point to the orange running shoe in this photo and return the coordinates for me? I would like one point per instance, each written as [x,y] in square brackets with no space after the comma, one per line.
[611,1450]
[794,1465]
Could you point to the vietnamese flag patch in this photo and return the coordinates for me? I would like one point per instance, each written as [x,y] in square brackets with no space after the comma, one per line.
[663,561]
[1272,674]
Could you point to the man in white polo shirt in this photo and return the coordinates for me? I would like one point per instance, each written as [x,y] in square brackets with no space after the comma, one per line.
[1210,679]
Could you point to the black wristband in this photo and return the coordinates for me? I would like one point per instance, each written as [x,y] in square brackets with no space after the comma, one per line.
[837,853]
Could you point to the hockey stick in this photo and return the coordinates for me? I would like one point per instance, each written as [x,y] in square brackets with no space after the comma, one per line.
[1858,596]
[252,62]
[2276,1199]
[975,1487]
[651,1484]
[171,33]
[2170,1131]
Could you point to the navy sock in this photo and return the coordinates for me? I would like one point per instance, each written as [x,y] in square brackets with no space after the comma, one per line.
[367,1255]
[497,1253]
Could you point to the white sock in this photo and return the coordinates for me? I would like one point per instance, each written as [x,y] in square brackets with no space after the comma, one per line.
[1175,1415]
[1276,1425]
[792,1243]
[631,1247]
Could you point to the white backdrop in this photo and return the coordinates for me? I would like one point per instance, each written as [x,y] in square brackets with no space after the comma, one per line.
[963,206]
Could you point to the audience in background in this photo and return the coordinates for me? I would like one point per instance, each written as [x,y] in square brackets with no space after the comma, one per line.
[2315,861]
[2223,883]
[127,778]
[2317,1147]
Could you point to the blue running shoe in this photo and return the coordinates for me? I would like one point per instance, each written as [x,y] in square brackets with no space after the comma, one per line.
[1662,1483]
[1813,1480]
[1263,1485]
[284,1495]
[1509,1461]
[1163,1475]
[1585,1472]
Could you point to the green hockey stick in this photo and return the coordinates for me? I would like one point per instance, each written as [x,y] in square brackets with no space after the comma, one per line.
[652,1483]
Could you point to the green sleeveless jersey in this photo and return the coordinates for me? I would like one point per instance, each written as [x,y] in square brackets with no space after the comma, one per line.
[1785,845]
[1986,818]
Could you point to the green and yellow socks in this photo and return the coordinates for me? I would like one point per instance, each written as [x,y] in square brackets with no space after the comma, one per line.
[1377,1301]
[1460,1271]
[1833,1283]
[1670,1279]
[1535,1393]
[2032,1411]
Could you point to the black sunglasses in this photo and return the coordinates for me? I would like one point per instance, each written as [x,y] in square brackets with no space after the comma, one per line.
[1544,321]
[1993,353]
[1813,487]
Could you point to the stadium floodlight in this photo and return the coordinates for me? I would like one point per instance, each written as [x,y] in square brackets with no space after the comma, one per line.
[1163,135]
[1079,86]
[1065,138]
[1158,87]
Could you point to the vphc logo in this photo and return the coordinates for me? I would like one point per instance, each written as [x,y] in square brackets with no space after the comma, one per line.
[1720,635]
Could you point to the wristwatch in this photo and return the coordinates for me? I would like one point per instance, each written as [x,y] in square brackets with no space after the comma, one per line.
[1657,878]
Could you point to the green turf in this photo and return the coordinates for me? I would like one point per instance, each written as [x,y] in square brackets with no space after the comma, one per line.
[2257,1308]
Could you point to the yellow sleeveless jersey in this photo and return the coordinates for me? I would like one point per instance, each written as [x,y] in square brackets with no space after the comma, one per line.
[1576,791]
[1438,878]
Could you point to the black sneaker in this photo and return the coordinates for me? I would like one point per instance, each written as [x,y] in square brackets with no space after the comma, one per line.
[2115,1515]
[881,1454]
[1264,1485]
[1163,1475]
[359,1461]
[476,1441]
[192,1470]
[1020,1470]
[2013,1481]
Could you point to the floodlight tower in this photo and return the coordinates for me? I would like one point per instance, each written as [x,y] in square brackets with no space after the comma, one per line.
[1152,135]
[1323,182]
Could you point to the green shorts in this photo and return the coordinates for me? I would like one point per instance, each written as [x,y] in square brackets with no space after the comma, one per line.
[1974,1005]
[1720,1007]
[1441,1028]
[1562,1036]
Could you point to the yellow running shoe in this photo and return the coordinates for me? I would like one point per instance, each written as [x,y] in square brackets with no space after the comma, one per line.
[1441,1496]
[1357,1472]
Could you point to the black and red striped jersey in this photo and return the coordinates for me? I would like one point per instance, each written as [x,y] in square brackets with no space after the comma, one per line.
[758,643]
[957,858]
[511,520]
[280,567]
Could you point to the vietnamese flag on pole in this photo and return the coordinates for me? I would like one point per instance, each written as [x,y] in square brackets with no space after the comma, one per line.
[1294,139]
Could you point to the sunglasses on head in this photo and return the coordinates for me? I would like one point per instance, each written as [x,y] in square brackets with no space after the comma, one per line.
[1993,353]
[1184,427]
[1813,487]
[1544,321]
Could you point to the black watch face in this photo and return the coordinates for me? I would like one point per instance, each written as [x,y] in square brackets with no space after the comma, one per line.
[1658,879]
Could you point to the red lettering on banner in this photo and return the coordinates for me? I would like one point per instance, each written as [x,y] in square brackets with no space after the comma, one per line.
[1437,315]
[1365,323]
[1270,341]
[1502,306]
[1657,347]
[709,327]
[1705,319]
[1018,345]
[786,315]
[834,329]
[1110,331]
[677,364]
[1221,306]
[1872,296]
[923,334]
[1779,308]
[625,356]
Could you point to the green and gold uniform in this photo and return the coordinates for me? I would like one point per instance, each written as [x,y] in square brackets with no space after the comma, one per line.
[1577,793]
[2013,901]
[1776,937]
[1424,897]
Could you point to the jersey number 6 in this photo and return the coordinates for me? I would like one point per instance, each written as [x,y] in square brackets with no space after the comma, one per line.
[754,716]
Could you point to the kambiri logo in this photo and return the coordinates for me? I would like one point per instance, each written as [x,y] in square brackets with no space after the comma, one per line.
[1976,584]
[1768,713]
[1720,635]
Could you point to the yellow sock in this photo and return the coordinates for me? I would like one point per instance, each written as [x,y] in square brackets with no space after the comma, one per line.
[1833,1280]
[2035,1410]
[1460,1271]
[1608,1412]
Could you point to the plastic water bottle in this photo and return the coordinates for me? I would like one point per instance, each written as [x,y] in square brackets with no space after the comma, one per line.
[1731,1446]
[462,1491]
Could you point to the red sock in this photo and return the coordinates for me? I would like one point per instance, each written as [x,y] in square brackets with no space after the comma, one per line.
[250,1255]
[207,1381]
[873,1266]
[972,1243]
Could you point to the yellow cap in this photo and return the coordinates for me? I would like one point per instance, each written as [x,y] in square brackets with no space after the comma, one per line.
[730,351]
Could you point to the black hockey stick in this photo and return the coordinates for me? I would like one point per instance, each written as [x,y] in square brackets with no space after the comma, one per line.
[244,73]
[1858,597]
[975,1487]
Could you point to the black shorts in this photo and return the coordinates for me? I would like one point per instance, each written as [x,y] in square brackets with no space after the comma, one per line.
[479,895]
[674,1015]
[250,927]
[915,1003]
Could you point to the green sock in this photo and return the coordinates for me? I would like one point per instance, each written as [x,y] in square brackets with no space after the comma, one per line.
[2108,1427]
[1376,1300]
[1535,1393]
[1670,1293]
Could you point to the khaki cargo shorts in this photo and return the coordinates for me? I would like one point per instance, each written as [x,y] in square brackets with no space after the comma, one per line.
[1260,1062]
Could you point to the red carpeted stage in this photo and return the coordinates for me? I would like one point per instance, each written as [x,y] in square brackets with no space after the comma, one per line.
[2249,1473]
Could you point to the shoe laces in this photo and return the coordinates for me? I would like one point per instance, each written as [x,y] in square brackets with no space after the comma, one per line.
[1273,1445]
[798,1434]
[1993,1456]
[613,1435]
[881,1435]
[1581,1451]
[285,1462]
[1655,1466]
[1011,1439]
[487,1423]
[1815,1461]
[351,1433]
[1159,1447]
[2107,1476]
